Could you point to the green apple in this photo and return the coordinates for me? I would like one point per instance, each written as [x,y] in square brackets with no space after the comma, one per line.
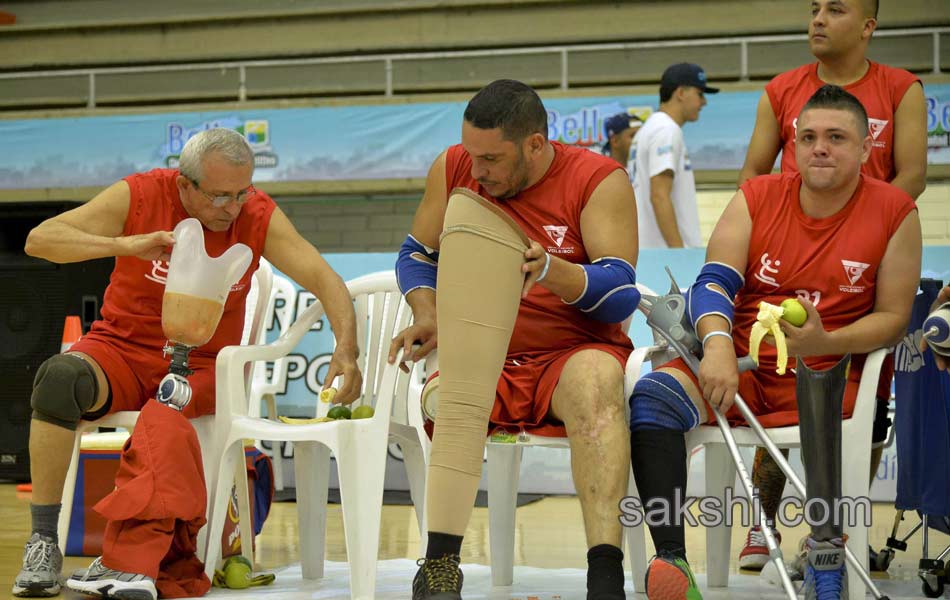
[794,312]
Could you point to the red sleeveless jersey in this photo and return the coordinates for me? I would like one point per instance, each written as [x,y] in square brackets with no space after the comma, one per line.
[833,261]
[880,91]
[132,307]
[549,212]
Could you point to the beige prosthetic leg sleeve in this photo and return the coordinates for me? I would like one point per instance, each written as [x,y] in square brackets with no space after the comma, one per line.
[479,290]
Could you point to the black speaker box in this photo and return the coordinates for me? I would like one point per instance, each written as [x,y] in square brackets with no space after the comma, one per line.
[35,298]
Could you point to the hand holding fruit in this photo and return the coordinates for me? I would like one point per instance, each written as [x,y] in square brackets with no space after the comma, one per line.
[809,338]
[786,323]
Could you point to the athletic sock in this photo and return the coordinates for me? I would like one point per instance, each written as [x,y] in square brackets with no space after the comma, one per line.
[659,467]
[45,519]
[442,544]
[605,573]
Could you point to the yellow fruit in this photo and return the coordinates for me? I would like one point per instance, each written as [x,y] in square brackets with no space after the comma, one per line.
[363,411]
[237,573]
[327,395]
[339,412]
[794,312]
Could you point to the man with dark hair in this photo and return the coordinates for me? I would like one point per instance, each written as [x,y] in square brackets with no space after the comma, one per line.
[782,236]
[500,214]
[663,176]
[838,35]
[620,130]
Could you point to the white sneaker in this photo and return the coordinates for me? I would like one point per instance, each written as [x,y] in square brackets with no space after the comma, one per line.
[100,580]
[42,563]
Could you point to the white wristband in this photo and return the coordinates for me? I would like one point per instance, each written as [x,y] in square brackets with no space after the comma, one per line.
[544,271]
[715,333]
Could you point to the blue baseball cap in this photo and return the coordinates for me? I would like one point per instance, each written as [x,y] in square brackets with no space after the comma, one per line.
[686,74]
[620,122]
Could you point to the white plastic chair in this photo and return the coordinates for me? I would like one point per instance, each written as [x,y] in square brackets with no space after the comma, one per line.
[255,310]
[360,446]
[270,379]
[721,473]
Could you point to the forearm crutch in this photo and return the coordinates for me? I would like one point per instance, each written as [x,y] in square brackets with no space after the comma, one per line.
[664,315]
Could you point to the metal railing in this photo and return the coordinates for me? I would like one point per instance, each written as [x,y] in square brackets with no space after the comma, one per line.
[563,52]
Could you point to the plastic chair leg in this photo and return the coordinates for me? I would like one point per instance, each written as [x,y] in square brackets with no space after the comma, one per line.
[415,463]
[232,460]
[504,471]
[636,545]
[69,491]
[361,489]
[720,474]
[312,471]
[856,459]
[277,457]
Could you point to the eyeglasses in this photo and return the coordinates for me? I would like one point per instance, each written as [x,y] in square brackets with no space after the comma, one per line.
[220,200]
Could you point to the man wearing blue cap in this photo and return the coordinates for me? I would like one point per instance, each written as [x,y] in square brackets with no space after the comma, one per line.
[663,176]
[619,130]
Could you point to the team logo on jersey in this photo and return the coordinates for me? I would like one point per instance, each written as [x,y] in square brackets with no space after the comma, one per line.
[767,270]
[853,270]
[876,127]
[556,233]
[159,272]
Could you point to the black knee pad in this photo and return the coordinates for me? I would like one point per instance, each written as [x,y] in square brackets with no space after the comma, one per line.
[65,388]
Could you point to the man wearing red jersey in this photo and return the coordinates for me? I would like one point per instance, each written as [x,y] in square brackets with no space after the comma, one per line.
[847,244]
[838,35]
[119,363]
[546,357]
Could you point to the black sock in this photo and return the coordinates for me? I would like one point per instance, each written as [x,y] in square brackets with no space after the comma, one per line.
[605,573]
[46,519]
[659,467]
[441,544]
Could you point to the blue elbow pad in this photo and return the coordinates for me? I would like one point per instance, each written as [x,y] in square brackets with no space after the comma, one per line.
[611,293]
[702,299]
[416,266]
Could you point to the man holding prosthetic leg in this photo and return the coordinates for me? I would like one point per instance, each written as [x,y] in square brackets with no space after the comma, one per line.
[849,247]
[119,364]
[549,357]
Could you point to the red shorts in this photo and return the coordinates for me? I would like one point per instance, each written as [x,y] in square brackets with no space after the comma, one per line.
[135,371]
[770,397]
[526,385]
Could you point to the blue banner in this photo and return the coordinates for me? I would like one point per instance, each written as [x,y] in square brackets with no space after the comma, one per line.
[360,141]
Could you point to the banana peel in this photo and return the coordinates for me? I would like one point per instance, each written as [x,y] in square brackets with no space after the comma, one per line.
[767,322]
[295,421]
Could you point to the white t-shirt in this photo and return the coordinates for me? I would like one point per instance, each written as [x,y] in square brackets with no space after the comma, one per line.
[660,147]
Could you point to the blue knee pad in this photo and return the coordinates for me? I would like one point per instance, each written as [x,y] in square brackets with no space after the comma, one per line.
[660,402]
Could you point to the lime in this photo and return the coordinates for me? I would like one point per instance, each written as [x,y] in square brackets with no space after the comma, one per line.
[237,573]
[794,312]
[339,412]
[363,411]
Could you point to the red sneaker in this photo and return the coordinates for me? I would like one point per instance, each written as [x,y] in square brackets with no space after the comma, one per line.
[755,554]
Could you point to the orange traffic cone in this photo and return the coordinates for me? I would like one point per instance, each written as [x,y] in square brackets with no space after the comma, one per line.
[72,331]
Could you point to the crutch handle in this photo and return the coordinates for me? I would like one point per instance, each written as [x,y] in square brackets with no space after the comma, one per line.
[746,363]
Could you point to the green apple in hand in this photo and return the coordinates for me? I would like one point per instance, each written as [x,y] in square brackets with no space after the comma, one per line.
[794,312]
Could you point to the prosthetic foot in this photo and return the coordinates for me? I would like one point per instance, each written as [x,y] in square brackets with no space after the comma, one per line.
[825,572]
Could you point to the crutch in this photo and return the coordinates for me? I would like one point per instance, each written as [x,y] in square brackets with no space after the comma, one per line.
[665,316]
[679,336]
